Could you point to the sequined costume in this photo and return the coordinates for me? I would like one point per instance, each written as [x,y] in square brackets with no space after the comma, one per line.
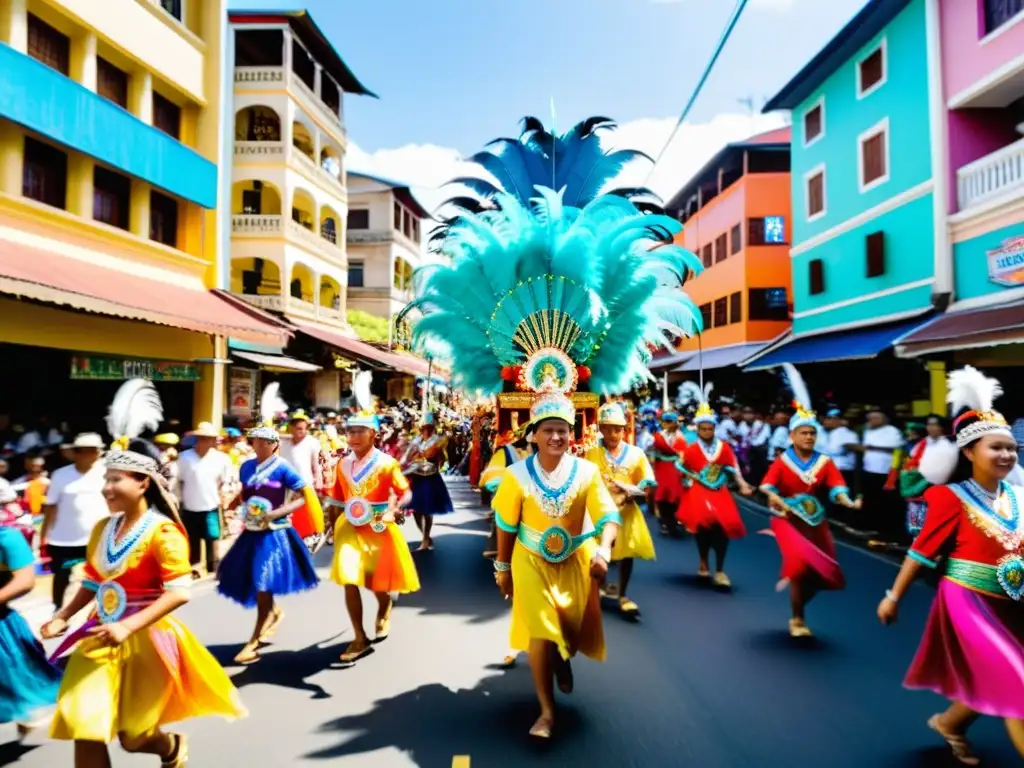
[628,465]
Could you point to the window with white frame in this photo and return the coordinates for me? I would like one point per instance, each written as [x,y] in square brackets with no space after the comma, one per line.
[814,191]
[814,122]
[873,70]
[873,156]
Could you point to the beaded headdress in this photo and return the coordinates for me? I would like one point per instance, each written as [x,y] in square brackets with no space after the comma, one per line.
[551,283]
[364,420]
[612,415]
[264,432]
[552,405]
[970,389]
[803,416]
[705,414]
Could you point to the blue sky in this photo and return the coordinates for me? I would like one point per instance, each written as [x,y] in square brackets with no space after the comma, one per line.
[453,74]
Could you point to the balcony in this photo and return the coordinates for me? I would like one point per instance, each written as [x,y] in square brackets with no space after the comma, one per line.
[295,307]
[260,78]
[255,225]
[993,176]
[260,151]
[319,242]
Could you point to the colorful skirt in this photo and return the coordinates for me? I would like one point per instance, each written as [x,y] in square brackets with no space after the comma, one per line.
[159,675]
[702,507]
[28,682]
[634,538]
[430,495]
[670,482]
[916,510]
[557,602]
[972,651]
[380,562]
[808,552]
[277,562]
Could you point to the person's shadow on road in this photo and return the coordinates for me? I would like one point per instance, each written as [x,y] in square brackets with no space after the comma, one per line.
[283,668]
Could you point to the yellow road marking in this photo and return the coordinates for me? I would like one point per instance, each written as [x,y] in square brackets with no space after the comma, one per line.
[460,761]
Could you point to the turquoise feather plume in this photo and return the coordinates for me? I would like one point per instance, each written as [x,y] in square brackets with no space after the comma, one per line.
[601,282]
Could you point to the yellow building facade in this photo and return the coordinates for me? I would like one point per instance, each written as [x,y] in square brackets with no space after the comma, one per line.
[110,144]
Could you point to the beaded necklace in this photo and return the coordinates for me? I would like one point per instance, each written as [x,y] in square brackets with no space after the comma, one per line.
[554,501]
[356,477]
[263,470]
[997,514]
[114,553]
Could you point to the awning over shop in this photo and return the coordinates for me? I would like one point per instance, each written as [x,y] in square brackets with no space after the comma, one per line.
[42,275]
[363,352]
[276,362]
[722,357]
[854,344]
[669,363]
[966,330]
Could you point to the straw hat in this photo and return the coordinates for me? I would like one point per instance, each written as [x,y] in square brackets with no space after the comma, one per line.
[205,429]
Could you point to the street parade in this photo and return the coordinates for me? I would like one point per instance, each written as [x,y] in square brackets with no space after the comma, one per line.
[578,482]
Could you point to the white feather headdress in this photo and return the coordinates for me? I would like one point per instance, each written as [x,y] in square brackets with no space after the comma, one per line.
[361,390]
[271,403]
[136,408]
[970,389]
[795,382]
[689,392]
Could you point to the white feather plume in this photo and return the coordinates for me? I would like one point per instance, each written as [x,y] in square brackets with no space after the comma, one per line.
[271,403]
[135,408]
[361,390]
[689,392]
[939,461]
[796,385]
[969,388]
[706,396]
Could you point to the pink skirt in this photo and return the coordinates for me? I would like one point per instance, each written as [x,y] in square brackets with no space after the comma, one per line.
[808,552]
[703,508]
[973,651]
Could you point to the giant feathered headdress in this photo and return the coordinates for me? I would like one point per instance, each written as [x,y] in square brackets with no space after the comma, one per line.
[272,406]
[689,393]
[135,409]
[804,415]
[542,292]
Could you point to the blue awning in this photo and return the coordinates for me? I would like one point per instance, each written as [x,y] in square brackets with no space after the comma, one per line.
[855,344]
[721,357]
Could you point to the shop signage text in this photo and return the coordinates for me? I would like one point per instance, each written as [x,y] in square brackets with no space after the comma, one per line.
[1006,263]
[119,369]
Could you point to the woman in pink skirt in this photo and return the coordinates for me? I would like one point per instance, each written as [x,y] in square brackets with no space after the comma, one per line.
[972,651]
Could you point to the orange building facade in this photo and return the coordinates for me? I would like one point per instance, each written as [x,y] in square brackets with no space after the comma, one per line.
[736,218]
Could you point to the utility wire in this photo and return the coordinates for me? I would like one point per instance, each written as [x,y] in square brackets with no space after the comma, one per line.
[726,34]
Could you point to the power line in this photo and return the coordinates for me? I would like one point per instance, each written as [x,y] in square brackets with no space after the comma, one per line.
[737,12]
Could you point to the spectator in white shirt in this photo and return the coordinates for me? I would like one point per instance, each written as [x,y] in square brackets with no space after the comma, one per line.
[302,451]
[726,429]
[884,509]
[779,440]
[752,438]
[203,474]
[842,442]
[74,505]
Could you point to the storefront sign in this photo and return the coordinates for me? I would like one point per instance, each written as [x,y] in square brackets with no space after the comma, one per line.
[120,369]
[1006,263]
[242,393]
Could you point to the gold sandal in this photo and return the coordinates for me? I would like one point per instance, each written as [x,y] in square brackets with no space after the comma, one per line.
[542,728]
[249,654]
[383,629]
[628,606]
[355,651]
[797,628]
[271,629]
[179,755]
[959,744]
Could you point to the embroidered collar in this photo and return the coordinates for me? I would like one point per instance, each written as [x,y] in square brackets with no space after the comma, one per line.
[807,470]
[115,553]
[263,471]
[612,458]
[711,452]
[997,518]
[357,477]
[554,501]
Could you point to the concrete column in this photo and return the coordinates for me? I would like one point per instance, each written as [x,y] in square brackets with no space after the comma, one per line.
[318,78]
[14,24]
[81,170]
[210,395]
[83,60]
[287,34]
[12,158]
[140,96]
[139,218]
[937,385]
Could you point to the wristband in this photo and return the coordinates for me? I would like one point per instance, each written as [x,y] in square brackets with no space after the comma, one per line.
[501,567]
[890,595]
[604,553]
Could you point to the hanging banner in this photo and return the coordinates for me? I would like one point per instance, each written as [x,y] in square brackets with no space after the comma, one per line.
[89,367]
[1006,263]
[242,393]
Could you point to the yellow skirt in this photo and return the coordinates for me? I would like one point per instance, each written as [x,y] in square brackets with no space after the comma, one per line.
[634,539]
[160,675]
[556,602]
[377,561]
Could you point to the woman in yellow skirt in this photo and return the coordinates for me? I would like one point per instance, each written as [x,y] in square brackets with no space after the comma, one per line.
[550,510]
[369,548]
[135,667]
[627,474]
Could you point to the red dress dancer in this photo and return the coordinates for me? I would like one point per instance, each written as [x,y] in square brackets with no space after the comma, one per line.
[668,447]
[796,484]
[707,509]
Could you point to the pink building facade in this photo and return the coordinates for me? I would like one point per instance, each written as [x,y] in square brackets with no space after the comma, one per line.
[982,64]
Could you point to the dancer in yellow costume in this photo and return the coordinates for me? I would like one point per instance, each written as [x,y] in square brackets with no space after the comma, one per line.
[135,667]
[369,548]
[627,474]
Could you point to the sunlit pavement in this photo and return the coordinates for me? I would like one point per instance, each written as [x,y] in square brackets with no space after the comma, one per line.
[703,679]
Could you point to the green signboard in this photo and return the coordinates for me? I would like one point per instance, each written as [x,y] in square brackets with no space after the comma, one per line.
[120,369]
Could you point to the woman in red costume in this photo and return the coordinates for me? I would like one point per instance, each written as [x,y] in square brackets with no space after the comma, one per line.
[796,483]
[669,444]
[708,510]
[972,651]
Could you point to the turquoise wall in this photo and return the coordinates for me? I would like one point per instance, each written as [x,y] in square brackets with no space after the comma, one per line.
[45,101]
[909,245]
[970,262]
[903,99]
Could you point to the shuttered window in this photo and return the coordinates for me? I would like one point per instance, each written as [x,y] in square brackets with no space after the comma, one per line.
[874,158]
[816,194]
[721,248]
[721,312]
[111,82]
[48,45]
[736,240]
[872,70]
[735,308]
[814,124]
[166,115]
[816,276]
[875,254]
[707,257]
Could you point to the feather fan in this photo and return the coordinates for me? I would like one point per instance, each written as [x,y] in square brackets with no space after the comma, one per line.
[271,403]
[136,408]
[361,390]
[970,389]
[689,392]
[796,385]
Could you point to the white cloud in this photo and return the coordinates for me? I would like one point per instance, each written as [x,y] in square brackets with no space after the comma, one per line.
[427,167]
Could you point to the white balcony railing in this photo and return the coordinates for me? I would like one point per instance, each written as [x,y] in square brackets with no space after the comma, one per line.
[259,151]
[294,306]
[991,176]
[255,78]
[307,93]
[272,303]
[255,225]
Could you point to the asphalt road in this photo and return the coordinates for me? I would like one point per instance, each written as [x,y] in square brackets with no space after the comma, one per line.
[703,679]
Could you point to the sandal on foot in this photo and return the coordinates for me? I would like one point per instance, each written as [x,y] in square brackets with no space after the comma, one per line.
[721,580]
[509,661]
[249,654]
[703,573]
[383,629]
[179,754]
[797,628]
[958,743]
[542,728]
[628,606]
[355,651]
[271,629]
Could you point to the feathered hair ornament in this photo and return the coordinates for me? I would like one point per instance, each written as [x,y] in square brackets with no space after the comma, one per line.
[272,405]
[705,414]
[361,390]
[689,393]
[136,408]
[804,416]
[971,395]
[556,292]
